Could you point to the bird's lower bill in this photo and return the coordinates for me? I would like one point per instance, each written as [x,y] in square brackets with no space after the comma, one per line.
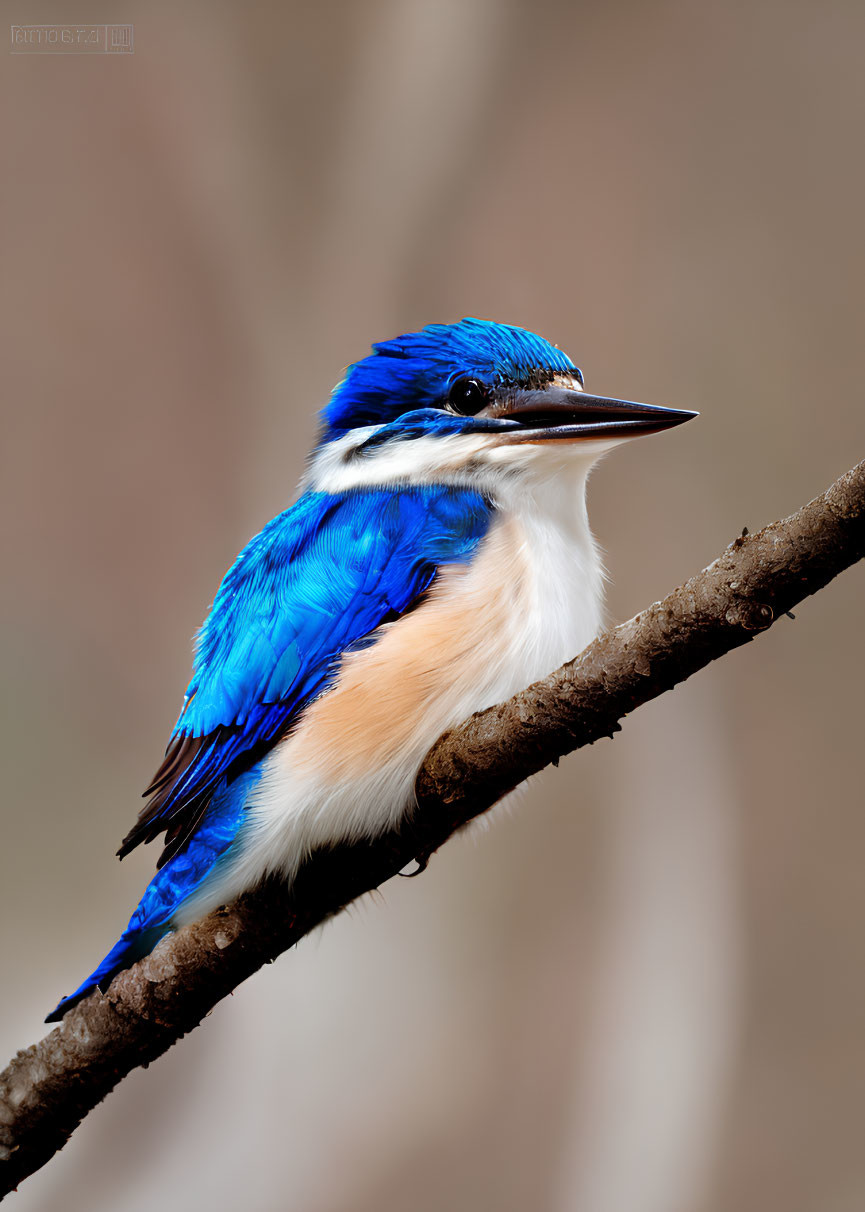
[583,433]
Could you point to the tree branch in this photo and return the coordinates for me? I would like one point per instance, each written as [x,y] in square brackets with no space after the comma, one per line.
[48,1089]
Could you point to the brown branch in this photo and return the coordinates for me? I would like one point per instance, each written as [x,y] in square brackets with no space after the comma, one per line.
[48,1089]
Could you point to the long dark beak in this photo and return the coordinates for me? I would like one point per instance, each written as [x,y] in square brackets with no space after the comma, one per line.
[564,414]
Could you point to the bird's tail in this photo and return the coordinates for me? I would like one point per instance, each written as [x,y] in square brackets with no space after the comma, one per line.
[208,851]
[131,946]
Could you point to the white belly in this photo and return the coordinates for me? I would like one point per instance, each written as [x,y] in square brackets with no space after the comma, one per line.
[528,601]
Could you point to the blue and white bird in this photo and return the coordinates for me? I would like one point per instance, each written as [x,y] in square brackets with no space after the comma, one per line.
[438,560]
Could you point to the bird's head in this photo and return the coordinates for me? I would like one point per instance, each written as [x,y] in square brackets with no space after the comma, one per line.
[462,402]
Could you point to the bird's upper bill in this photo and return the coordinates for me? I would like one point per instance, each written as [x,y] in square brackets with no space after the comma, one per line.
[502,386]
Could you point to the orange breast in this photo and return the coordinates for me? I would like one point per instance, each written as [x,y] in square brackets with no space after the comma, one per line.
[427,671]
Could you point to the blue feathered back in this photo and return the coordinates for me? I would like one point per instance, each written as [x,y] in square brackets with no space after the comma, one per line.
[319,578]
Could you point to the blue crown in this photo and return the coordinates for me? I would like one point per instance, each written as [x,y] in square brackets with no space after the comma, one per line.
[415,371]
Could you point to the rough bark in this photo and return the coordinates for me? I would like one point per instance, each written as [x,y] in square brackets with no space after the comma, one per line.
[47,1089]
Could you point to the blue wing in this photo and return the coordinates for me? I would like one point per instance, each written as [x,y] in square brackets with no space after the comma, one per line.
[317,581]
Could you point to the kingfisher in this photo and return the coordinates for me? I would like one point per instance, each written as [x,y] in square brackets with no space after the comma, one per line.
[438,559]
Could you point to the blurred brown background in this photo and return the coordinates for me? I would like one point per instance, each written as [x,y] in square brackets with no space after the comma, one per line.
[642,989]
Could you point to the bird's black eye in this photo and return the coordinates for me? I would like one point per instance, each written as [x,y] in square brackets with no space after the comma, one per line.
[467,397]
